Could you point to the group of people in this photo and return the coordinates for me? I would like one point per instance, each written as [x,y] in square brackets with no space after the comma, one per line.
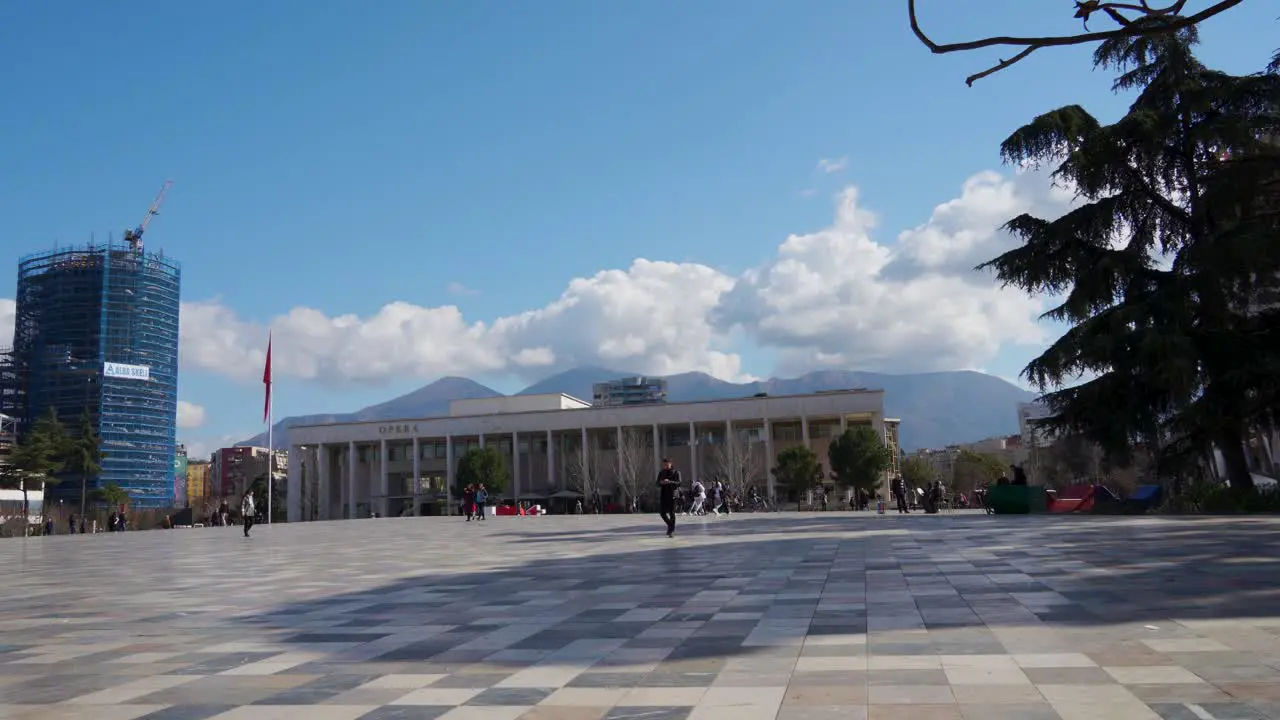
[700,500]
[697,500]
[474,499]
[930,497]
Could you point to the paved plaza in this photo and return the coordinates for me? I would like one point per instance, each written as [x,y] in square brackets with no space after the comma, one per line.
[834,616]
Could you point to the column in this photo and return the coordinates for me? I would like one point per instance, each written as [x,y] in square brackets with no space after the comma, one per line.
[384,482]
[293,487]
[693,453]
[325,490]
[351,480]
[515,467]
[844,423]
[551,461]
[728,430]
[448,475]
[340,478]
[586,464]
[617,457]
[770,460]
[417,473]
[804,430]
[481,441]
[657,450]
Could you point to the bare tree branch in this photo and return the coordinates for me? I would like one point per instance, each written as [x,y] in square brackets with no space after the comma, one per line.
[587,468]
[1115,10]
[634,463]
[736,464]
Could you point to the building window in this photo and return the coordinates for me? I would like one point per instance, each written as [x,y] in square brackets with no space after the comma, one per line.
[441,450]
[524,447]
[786,432]
[819,429]
[540,446]
[677,437]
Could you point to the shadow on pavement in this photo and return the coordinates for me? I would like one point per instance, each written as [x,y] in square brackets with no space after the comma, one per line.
[757,584]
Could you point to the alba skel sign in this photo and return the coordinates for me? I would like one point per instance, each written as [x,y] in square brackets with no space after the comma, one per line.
[126,372]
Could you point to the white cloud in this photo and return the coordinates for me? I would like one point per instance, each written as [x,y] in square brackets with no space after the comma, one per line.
[836,297]
[8,311]
[966,231]
[832,299]
[652,317]
[457,288]
[832,165]
[190,415]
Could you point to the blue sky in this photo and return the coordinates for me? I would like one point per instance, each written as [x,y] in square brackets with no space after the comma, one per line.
[339,157]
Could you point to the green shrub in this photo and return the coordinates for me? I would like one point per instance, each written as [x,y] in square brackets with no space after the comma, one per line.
[1222,499]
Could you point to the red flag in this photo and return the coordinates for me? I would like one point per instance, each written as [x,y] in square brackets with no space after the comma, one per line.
[266,381]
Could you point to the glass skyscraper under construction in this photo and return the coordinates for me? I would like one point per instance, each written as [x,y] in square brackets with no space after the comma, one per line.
[97,328]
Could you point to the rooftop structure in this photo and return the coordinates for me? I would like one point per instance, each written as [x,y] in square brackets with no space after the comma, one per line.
[629,391]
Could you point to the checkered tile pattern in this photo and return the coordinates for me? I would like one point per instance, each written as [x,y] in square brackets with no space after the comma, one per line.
[833,616]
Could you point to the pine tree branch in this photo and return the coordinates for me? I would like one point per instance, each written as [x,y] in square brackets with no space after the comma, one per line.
[1128,28]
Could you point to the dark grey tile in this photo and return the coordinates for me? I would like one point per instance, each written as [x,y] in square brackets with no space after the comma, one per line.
[511,696]
[188,712]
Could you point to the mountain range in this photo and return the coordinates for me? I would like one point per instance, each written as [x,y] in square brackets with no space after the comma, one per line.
[936,409]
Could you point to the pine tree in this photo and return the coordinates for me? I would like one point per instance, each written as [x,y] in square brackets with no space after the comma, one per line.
[484,465]
[859,458]
[1160,267]
[798,470]
[84,455]
[36,459]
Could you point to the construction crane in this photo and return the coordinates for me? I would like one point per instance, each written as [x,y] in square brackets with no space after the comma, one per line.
[134,236]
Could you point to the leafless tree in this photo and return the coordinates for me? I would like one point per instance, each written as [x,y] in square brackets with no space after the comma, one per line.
[1132,18]
[587,470]
[635,463]
[736,464]
[310,493]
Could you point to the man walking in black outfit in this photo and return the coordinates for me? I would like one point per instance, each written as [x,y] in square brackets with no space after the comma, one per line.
[668,483]
[900,494]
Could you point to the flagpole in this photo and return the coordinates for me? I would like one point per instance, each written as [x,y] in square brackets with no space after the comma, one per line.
[271,453]
[268,380]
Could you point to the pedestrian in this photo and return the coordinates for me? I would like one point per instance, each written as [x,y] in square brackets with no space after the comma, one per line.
[668,483]
[469,502]
[246,511]
[482,497]
[899,488]
[699,498]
